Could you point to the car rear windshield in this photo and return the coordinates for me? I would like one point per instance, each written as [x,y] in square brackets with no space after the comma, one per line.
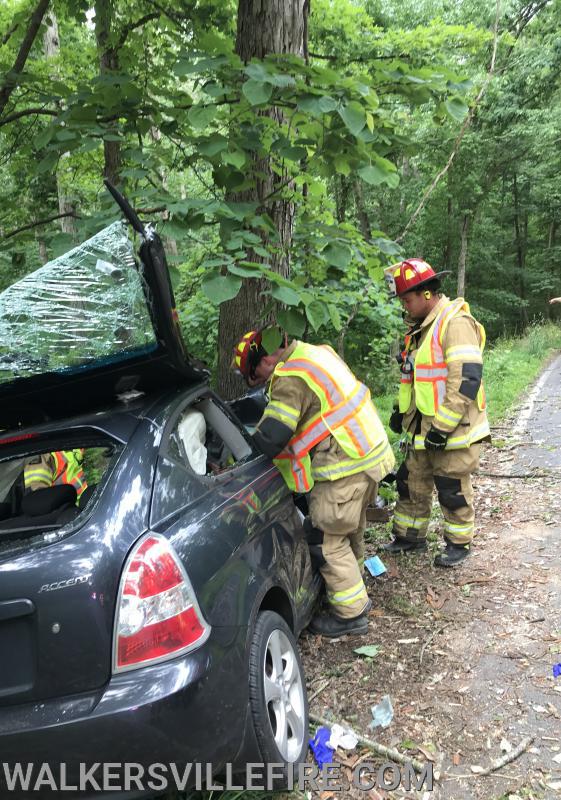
[48,489]
[84,309]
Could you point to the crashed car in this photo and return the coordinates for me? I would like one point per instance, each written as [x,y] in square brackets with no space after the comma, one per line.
[153,618]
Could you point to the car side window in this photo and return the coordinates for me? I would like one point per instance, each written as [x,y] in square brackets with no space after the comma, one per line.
[206,441]
[202,445]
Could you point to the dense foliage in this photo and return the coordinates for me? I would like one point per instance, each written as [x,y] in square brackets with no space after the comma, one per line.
[349,135]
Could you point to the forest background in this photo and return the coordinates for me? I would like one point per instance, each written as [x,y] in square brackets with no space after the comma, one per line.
[288,151]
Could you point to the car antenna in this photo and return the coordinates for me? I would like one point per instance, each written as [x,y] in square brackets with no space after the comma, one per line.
[126,208]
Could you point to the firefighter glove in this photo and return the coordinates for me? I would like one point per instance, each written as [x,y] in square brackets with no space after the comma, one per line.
[435,439]
[396,420]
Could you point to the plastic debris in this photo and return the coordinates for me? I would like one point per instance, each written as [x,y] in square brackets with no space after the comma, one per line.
[557,670]
[319,745]
[375,566]
[342,737]
[382,714]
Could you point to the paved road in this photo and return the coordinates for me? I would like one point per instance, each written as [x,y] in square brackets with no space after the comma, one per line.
[540,423]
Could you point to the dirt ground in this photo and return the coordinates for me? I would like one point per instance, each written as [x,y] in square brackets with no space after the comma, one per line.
[466,654]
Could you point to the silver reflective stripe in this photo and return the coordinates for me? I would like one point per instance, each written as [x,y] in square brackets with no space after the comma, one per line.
[322,378]
[431,372]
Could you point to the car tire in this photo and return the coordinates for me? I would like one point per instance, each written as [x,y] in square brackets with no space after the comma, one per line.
[278,699]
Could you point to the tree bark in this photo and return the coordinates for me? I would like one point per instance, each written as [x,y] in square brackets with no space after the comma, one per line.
[462,258]
[447,258]
[108,62]
[520,253]
[264,27]
[51,48]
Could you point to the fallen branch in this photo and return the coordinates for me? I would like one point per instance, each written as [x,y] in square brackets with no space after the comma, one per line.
[387,752]
[506,759]
[319,690]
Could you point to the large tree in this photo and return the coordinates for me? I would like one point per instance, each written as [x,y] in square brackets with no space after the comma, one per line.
[267,27]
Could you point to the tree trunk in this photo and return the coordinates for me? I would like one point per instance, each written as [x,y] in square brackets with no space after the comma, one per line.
[11,76]
[520,253]
[264,27]
[51,48]
[462,258]
[551,238]
[108,62]
[447,258]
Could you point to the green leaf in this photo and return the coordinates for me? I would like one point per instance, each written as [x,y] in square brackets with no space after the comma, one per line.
[310,103]
[271,338]
[213,145]
[317,314]
[201,116]
[257,92]
[43,138]
[456,107]
[244,271]
[286,295]
[236,158]
[293,153]
[47,163]
[368,650]
[342,165]
[292,321]
[219,288]
[334,316]
[382,171]
[354,117]
[338,255]
[327,104]
[408,744]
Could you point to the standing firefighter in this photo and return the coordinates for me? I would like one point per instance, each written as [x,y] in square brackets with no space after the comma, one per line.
[323,433]
[441,412]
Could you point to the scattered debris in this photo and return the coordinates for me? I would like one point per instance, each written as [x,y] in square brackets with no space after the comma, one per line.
[342,737]
[319,746]
[387,752]
[368,650]
[382,714]
[506,759]
[375,566]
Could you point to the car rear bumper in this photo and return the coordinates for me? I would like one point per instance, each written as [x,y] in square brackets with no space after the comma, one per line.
[189,711]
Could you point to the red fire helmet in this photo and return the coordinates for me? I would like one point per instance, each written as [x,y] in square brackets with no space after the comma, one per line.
[410,275]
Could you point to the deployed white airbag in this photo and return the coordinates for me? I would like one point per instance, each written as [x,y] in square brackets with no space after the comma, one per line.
[192,432]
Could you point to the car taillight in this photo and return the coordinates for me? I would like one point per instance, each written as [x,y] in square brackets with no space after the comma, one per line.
[157,613]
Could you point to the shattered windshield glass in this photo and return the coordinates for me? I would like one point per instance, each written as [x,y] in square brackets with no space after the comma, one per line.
[84,309]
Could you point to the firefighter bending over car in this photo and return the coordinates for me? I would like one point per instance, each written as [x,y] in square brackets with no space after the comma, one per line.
[324,435]
[441,412]
[55,469]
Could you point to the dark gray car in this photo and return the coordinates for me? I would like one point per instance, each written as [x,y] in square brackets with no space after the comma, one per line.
[154,618]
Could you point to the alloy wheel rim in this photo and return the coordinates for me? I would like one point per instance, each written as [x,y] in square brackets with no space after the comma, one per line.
[284,695]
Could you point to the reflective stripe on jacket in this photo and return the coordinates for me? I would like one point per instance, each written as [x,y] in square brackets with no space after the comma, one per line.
[346,413]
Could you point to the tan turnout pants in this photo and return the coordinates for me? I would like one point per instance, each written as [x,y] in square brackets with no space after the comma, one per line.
[450,472]
[338,508]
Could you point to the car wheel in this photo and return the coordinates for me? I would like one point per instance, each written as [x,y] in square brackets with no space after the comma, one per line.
[277,691]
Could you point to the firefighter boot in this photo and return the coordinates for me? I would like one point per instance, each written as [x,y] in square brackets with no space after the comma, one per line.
[452,555]
[399,545]
[331,626]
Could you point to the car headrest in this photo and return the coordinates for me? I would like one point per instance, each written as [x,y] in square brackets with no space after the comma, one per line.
[44,501]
